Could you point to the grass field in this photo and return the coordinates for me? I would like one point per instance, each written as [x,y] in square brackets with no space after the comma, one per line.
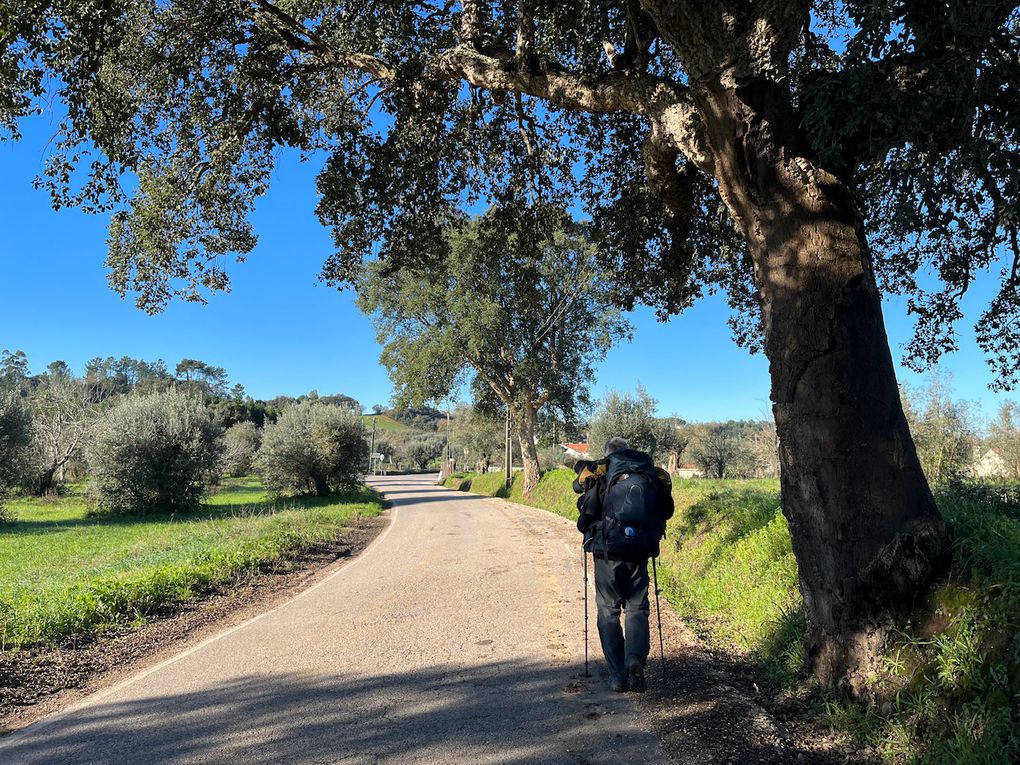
[951,687]
[63,573]
[384,422]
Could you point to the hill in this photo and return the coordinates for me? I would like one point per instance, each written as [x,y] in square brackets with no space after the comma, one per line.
[383,422]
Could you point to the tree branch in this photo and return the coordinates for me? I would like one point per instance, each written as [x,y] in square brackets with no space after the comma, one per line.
[658,99]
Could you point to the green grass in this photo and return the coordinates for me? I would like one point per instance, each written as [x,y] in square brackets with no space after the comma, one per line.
[383,422]
[952,683]
[63,573]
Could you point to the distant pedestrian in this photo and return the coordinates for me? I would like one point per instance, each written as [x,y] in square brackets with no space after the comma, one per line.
[624,505]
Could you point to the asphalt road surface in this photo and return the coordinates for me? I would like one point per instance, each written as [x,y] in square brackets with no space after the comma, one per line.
[455,637]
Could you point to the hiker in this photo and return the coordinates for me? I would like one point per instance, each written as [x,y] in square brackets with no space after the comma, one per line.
[624,505]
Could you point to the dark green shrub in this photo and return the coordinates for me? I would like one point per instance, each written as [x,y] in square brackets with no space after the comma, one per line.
[313,449]
[153,454]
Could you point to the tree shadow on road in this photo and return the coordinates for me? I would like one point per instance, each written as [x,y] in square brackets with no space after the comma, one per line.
[492,712]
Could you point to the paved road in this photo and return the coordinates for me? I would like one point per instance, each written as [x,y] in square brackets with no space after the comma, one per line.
[454,638]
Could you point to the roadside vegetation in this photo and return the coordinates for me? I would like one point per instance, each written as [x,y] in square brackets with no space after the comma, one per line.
[65,573]
[951,683]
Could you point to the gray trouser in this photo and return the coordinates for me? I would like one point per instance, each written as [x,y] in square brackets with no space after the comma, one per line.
[622,585]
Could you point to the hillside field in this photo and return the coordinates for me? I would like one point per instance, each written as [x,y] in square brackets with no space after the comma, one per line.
[384,422]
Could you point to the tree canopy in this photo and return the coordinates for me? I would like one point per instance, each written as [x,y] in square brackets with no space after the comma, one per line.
[524,317]
[421,107]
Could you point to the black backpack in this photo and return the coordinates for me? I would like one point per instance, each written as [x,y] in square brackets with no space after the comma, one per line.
[632,523]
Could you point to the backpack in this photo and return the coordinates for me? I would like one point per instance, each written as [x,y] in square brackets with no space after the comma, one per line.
[632,522]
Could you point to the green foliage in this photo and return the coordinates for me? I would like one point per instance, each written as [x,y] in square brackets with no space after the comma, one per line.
[500,304]
[422,451]
[633,417]
[153,454]
[313,448]
[242,441]
[478,438]
[915,103]
[942,428]
[63,573]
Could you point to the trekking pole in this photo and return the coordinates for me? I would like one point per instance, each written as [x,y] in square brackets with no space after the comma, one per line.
[584,553]
[658,618]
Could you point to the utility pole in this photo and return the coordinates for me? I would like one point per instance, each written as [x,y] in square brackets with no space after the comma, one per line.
[508,454]
[449,445]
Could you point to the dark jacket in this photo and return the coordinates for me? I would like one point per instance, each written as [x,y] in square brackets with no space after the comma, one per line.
[595,482]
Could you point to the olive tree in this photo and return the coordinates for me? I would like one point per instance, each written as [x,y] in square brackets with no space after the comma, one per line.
[242,442]
[313,448]
[632,416]
[64,410]
[803,155]
[152,453]
[423,450]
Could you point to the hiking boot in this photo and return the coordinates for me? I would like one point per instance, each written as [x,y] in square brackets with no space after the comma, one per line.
[617,684]
[637,677]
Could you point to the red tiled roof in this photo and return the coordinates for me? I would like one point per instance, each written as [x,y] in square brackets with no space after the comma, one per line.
[582,448]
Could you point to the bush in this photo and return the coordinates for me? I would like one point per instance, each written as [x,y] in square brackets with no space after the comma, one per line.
[313,449]
[243,440]
[152,454]
[15,442]
[552,457]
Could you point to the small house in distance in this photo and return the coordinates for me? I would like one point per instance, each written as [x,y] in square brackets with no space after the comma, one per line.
[577,451]
[990,465]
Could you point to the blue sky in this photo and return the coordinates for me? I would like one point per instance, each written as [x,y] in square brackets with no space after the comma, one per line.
[282,332]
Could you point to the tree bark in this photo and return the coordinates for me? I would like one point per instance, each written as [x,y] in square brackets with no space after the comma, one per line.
[866,532]
[525,421]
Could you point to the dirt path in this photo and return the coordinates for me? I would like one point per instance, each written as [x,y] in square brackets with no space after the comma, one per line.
[453,638]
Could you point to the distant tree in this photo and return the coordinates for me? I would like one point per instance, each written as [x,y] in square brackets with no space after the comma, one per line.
[378,409]
[632,416]
[517,302]
[64,411]
[716,448]
[13,368]
[58,369]
[1004,437]
[478,436]
[152,453]
[204,377]
[941,426]
[762,446]
[423,450]
[15,441]
[242,442]
[313,448]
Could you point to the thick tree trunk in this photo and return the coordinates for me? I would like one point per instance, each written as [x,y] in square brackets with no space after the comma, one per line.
[525,421]
[866,532]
